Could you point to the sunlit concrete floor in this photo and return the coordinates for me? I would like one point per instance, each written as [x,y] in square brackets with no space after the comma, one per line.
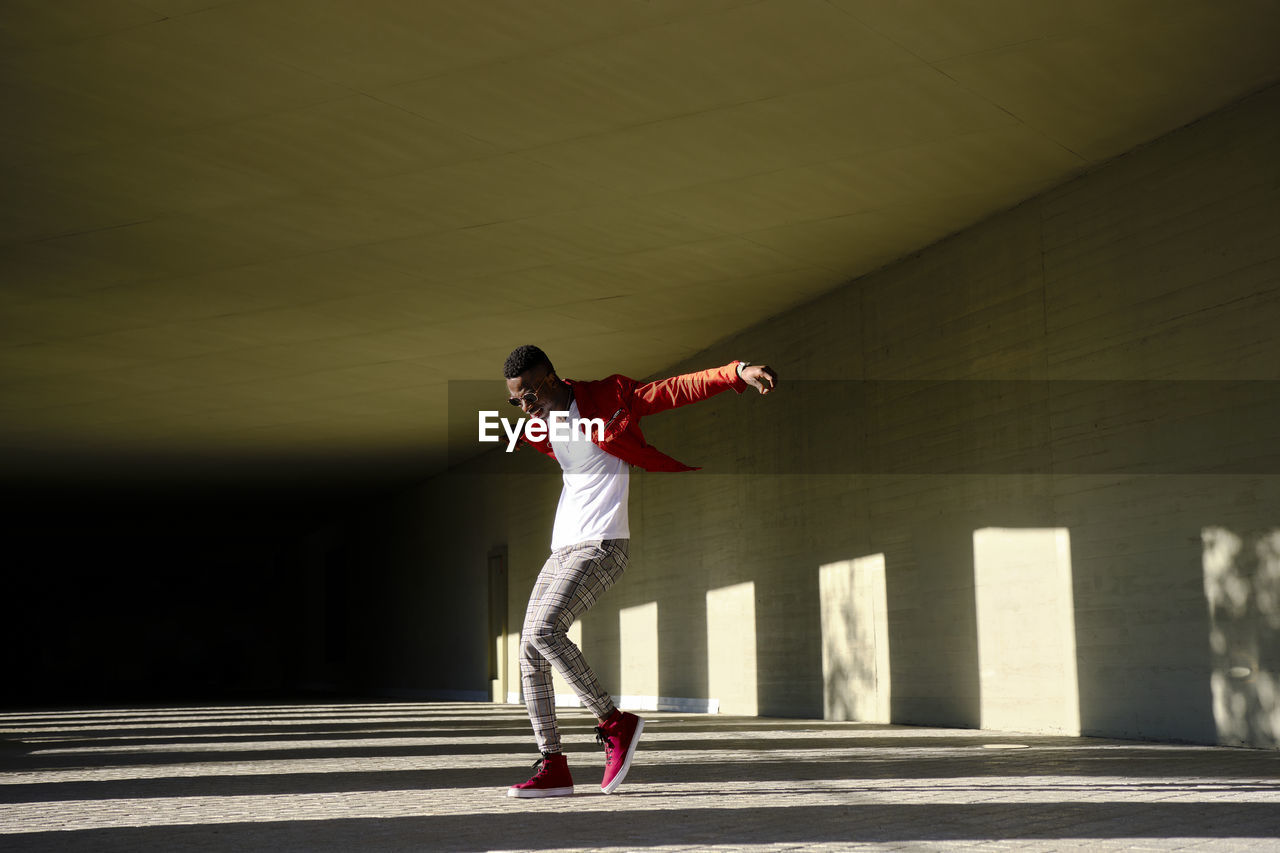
[432,776]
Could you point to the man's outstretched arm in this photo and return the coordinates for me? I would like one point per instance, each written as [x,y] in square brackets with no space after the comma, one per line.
[663,394]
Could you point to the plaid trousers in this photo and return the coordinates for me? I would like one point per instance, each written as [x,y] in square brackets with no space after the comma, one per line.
[571,580]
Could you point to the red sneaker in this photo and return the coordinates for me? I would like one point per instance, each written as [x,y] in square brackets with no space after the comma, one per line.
[619,735]
[551,780]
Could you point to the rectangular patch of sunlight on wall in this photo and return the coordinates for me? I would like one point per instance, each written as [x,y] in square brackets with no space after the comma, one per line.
[638,631]
[855,640]
[1026,630]
[731,648]
[1242,590]
[564,693]
[515,693]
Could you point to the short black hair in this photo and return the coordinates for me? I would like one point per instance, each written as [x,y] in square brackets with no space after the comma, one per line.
[525,358]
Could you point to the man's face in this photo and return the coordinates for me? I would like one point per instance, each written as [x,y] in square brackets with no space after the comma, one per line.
[531,389]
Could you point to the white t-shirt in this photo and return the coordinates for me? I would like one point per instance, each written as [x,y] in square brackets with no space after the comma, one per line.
[593,502]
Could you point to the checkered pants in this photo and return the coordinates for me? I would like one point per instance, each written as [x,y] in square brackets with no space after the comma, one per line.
[571,580]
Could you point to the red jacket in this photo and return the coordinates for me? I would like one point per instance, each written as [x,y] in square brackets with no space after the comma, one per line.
[621,402]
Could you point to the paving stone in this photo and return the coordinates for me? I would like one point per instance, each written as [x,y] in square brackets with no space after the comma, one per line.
[433,776]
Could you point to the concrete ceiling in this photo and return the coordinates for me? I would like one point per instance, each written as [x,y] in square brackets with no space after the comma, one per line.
[240,230]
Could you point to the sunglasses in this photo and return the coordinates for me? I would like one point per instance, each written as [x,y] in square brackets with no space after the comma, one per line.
[530,397]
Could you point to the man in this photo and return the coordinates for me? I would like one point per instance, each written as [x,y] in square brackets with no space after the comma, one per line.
[589,542]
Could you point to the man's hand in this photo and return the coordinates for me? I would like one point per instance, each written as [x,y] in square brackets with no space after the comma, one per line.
[760,377]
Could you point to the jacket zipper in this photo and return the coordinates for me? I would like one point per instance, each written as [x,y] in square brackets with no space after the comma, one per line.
[615,417]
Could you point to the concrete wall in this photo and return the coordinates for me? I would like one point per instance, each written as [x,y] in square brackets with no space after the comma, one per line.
[1138,564]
